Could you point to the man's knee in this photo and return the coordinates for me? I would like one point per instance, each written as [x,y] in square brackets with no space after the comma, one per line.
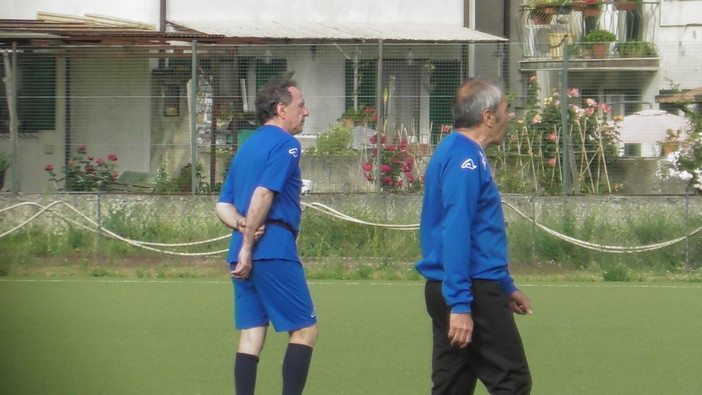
[306,336]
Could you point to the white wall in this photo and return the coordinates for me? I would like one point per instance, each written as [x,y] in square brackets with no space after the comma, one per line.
[395,11]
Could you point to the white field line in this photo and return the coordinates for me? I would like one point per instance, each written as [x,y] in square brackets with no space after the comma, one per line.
[350,283]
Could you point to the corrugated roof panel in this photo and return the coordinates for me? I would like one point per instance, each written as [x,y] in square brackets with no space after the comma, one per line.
[340,31]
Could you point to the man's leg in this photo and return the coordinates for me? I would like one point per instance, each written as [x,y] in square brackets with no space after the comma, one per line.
[497,353]
[298,356]
[246,363]
[450,372]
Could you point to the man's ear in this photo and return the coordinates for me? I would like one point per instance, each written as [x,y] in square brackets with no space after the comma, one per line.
[280,109]
[488,117]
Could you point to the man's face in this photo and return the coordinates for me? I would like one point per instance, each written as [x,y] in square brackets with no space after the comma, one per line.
[294,114]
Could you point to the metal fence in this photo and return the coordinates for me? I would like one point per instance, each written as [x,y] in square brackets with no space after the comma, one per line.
[135,118]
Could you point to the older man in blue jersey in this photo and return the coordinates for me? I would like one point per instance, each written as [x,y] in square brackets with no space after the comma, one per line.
[470,295]
[260,201]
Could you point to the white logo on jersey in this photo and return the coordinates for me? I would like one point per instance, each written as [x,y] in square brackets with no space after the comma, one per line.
[293,152]
[483,160]
[468,164]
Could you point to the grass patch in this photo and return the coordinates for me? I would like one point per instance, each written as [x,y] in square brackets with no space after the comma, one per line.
[95,335]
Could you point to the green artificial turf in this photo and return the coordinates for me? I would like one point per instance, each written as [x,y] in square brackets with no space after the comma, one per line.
[111,336]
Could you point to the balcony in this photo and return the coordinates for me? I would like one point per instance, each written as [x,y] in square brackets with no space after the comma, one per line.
[632,24]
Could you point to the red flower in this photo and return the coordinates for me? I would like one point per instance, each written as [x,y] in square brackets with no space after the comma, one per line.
[81,148]
[388,181]
[49,167]
[374,117]
[405,168]
[373,139]
[403,145]
[551,162]
[112,157]
[410,177]
[409,160]
[385,168]
[368,176]
[90,157]
[369,110]
[368,166]
[89,169]
[390,147]
[101,162]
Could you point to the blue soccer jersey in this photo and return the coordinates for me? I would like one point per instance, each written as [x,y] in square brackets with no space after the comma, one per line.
[462,226]
[270,158]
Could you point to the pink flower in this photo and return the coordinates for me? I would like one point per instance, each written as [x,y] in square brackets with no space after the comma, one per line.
[403,145]
[391,147]
[589,111]
[552,136]
[81,148]
[101,162]
[49,167]
[385,168]
[409,160]
[574,92]
[532,78]
[374,117]
[551,162]
[373,139]
[112,157]
[405,168]
[368,166]
[410,177]
[89,169]
[387,181]
[400,183]
[368,176]
[90,157]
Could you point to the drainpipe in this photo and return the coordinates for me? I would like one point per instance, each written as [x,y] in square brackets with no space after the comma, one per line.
[162,16]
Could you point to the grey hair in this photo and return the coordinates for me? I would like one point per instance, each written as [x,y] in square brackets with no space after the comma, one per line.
[472,98]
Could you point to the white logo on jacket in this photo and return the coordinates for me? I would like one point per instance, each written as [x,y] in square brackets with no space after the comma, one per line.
[293,152]
[468,164]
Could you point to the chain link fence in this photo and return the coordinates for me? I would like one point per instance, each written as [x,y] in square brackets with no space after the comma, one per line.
[167,119]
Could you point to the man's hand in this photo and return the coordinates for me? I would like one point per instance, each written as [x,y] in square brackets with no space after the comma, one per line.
[519,303]
[241,227]
[244,264]
[460,329]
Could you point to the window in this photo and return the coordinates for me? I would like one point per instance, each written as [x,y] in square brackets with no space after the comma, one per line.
[36,95]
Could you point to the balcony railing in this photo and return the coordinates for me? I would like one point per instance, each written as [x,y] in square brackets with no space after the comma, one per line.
[629,33]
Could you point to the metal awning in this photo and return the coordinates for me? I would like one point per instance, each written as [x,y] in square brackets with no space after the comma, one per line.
[260,31]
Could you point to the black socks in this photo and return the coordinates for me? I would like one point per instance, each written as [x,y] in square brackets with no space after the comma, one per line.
[296,365]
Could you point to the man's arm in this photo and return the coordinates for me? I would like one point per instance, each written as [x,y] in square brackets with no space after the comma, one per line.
[231,217]
[260,205]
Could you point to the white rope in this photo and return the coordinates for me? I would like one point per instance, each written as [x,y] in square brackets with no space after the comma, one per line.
[141,244]
[323,209]
[600,247]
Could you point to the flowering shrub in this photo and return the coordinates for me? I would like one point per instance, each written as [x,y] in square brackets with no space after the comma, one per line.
[686,163]
[397,168]
[365,115]
[86,173]
[531,158]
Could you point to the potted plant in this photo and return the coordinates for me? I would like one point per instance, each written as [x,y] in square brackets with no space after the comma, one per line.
[598,40]
[591,8]
[636,49]
[627,5]
[543,10]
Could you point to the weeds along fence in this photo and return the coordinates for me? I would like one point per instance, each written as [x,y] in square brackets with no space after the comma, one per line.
[653,233]
[167,119]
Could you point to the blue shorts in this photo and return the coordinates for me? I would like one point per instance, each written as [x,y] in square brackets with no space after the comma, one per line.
[277,292]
